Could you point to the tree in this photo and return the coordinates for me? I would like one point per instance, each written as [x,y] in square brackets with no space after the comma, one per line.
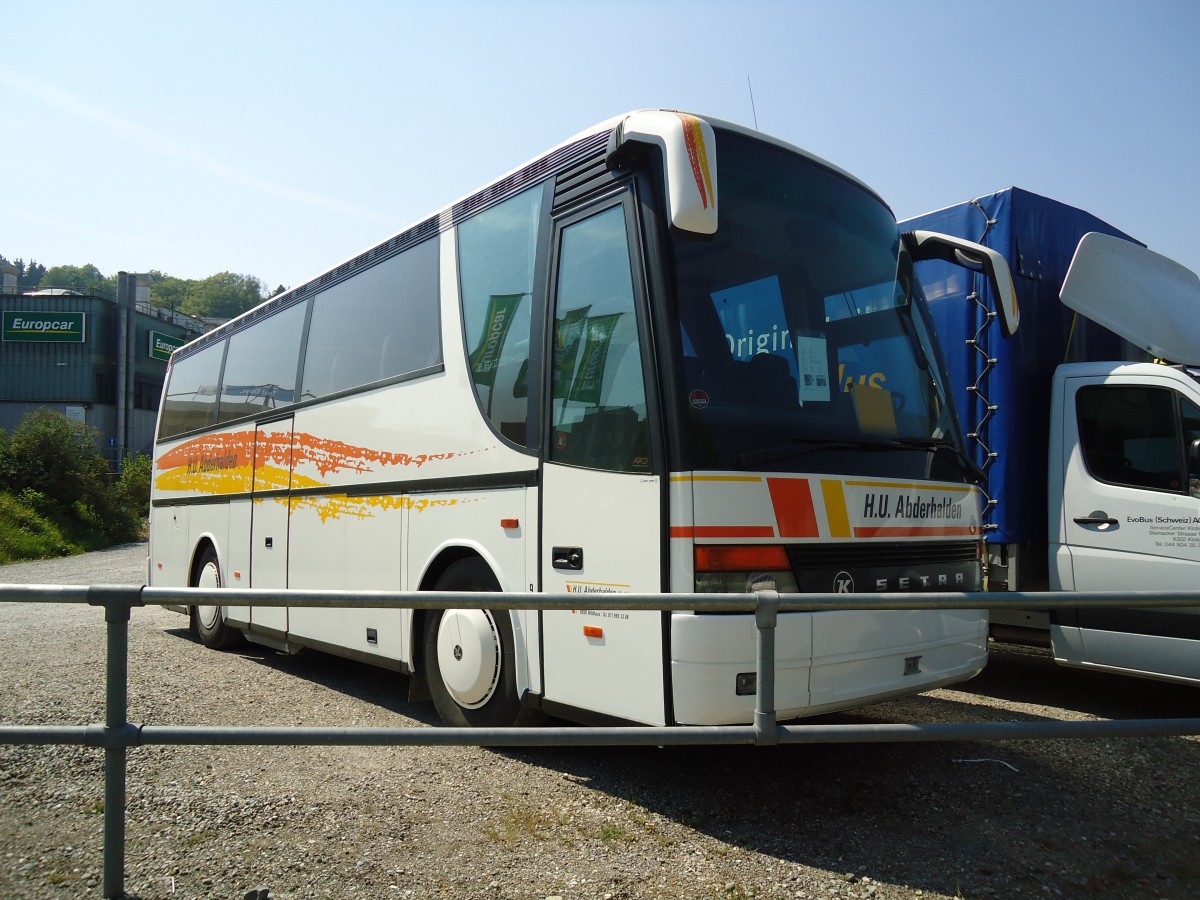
[86,279]
[31,275]
[27,276]
[223,296]
[168,291]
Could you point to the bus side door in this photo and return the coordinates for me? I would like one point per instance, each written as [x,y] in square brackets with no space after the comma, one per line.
[601,494]
[269,518]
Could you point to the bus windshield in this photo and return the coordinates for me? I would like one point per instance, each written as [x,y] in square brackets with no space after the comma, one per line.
[804,338]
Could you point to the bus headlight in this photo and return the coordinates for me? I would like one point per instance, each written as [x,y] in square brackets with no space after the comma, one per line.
[743,568]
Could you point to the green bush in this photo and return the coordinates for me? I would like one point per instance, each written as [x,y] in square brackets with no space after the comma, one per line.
[127,502]
[133,486]
[63,496]
[54,456]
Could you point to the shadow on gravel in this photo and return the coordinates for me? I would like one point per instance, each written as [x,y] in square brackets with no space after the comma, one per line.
[1047,818]
[987,818]
[370,684]
[1026,675]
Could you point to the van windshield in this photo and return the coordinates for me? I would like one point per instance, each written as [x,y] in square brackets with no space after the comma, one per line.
[805,343]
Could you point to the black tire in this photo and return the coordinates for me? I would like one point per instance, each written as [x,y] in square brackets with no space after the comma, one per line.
[472,679]
[209,621]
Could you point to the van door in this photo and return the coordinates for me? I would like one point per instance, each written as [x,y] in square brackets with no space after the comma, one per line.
[1130,519]
[269,519]
[602,489]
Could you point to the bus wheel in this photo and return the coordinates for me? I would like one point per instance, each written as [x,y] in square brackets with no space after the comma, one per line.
[209,622]
[469,658]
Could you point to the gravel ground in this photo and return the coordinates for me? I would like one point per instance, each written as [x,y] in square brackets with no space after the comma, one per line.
[1063,818]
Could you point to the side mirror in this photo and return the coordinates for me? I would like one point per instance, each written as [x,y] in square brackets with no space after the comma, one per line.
[689,162]
[922,245]
[1146,298]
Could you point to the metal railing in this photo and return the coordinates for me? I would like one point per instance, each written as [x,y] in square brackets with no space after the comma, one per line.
[117,734]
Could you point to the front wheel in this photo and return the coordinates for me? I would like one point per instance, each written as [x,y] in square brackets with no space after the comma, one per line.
[209,621]
[470,663]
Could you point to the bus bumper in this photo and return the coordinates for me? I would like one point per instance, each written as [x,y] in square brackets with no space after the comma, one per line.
[823,661]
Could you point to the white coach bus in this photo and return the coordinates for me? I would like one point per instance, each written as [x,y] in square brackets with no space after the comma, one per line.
[670,355]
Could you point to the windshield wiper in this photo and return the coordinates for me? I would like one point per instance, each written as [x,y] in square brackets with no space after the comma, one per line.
[933,446]
[811,445]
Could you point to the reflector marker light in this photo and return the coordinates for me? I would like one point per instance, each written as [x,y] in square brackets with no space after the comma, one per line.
[593,631]
[510,523]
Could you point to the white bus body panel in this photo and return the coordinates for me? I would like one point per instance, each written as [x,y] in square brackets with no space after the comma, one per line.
[360,552]
[171,543]
[234,554]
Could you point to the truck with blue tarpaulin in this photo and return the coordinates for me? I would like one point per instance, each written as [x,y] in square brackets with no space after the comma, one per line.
[1084,423]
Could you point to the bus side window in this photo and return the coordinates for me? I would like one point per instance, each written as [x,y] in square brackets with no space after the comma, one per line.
[190,401]
[260,368]
[497,254]
[380,323]
[598,394]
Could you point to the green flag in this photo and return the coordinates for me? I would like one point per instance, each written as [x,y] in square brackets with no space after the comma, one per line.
[502,309]
[589,377]
[567,332]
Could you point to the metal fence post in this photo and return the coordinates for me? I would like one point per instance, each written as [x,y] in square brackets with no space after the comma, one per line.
[766,612]
[117,602]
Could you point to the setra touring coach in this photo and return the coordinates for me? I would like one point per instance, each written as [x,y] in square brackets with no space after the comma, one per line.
[670,355]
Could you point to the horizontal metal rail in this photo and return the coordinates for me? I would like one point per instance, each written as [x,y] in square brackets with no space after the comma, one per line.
[117,734]
[134,596]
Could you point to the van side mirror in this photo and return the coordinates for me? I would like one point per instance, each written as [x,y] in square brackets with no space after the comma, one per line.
[922,245]
[1193,469]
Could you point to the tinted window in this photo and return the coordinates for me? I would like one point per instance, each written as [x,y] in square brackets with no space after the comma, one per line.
[381,323]
[190,401]
[260,369]
[497,254]
[599,400]
[1130,436]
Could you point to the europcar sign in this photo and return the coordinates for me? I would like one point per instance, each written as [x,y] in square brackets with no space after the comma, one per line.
[163,345]
[44,327]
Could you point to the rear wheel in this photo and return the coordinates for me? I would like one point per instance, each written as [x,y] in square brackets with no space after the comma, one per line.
[209,621]
[470,663]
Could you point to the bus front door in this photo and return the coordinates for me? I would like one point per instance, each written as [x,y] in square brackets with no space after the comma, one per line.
[601,497]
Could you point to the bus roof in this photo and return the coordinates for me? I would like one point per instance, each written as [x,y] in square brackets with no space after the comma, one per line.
[544,164]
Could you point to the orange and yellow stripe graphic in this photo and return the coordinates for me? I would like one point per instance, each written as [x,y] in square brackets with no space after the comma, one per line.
[693,137]
[243,461]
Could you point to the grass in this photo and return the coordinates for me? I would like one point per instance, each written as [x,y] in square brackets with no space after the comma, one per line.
[27,532]
[519,823]
[614,831]
[193,840]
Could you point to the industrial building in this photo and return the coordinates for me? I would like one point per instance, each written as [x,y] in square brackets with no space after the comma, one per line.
[99,360]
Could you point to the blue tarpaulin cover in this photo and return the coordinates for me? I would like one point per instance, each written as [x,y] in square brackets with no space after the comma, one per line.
[1038,237]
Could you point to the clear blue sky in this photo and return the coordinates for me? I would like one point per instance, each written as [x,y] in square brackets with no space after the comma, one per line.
[277,139]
